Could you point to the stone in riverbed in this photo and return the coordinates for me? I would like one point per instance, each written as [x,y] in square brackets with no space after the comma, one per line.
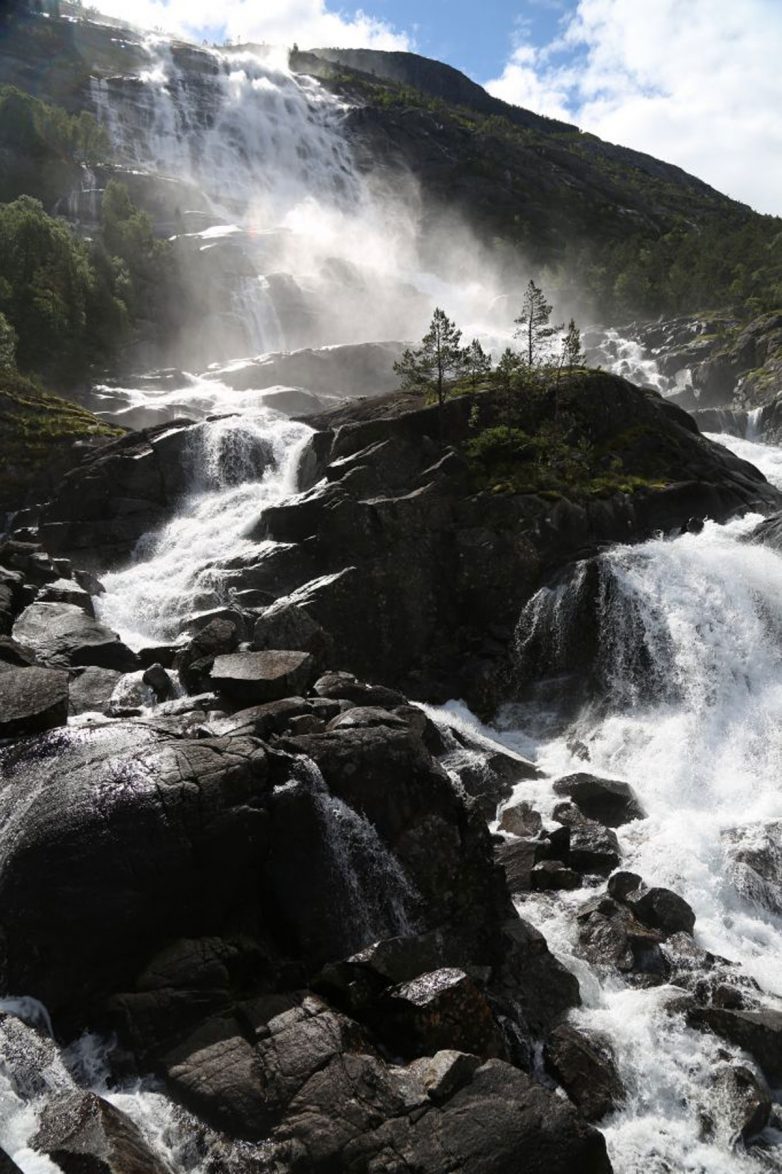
[746,1099]
[441,1009]
[518,858]
[32,700]
[608,801]
[552,875]
[585,1068]
[256,677]
[91,690]
[62,634]
[521,820]
[758,1032]
[664,910]
[83,1134]
[66,591]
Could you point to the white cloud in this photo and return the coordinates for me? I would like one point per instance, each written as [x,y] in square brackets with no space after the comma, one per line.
[696,82]
[308,22]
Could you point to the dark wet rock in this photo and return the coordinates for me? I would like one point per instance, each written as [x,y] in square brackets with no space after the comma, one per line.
[584,1066]
[32,700]
[713,981]
[391,1120]
[608,801]
[443,1008]
[610,936]
[345,686]
[145,838]
[7,1164]
[91,690]
[444,1073]
[518,858]
[238,618]
[746,1099]
[66,591]
[367,717]
[622,884]
[664,910]
[755,863]
[159,681]
[533,978]
[193,662]
[521,820]
[551,875]
[240,1076]
[63,635]
[32,1064]
[263,721]
[287,625]
[257,677]
[758,1032]
[486,773]
[84,1134]
[591,848]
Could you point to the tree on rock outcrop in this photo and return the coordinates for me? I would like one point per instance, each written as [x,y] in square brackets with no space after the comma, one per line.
[476,363]
[533,324]
[571,354]
[436,361]
[507,379]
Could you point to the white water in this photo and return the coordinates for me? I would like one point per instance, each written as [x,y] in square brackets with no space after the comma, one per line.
[700,740]
[173,573]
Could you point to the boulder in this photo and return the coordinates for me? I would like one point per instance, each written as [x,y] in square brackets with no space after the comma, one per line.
[159,681]
[521,820]
[288,625]
[84,1134]
[758,1032]
[755,863]
[584,1066]
[14,655]
[608,801]
[63,635]
[518,858]
[144,839]
[66,591]
[553,875]
[252,678]
[354,1115]
[663,910]
[441,1009]
[32,700]
[610,936]
[91,689]
[591,848]
[746,1099]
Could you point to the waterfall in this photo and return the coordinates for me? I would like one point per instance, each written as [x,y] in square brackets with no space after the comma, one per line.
[173,570]
[368,885]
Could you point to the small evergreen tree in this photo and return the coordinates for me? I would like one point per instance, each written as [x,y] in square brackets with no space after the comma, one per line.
[437,360]
[572,354]
[476,363]
[532,324]
[506,380]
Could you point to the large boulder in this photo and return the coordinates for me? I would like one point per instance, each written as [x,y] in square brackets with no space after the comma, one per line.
[585,1067]
[116,839]
[353,1115]
[609,801]
[758,1032]
[85,1134]
[63,635]
[32,700]
[252,678]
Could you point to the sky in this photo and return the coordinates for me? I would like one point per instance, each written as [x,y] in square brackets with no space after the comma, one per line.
[694,82]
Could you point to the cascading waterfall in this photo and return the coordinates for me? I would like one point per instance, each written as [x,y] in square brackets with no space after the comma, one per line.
[233,480]
[690,713]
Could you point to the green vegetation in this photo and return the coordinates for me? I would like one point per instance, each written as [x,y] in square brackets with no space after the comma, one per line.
[38,430]
[72,303]
[548,446]
[42,147]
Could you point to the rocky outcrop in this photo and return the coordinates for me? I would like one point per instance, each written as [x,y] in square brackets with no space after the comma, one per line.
[32,700]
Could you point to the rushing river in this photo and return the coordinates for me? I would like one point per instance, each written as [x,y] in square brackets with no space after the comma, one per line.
[700,738]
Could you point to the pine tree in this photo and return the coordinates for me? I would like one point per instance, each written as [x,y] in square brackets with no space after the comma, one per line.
[477,363]
[506,380]
[572,354]
[533,323]
[437,360]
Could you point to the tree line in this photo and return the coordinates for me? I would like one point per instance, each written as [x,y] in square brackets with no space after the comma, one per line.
[441,364]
